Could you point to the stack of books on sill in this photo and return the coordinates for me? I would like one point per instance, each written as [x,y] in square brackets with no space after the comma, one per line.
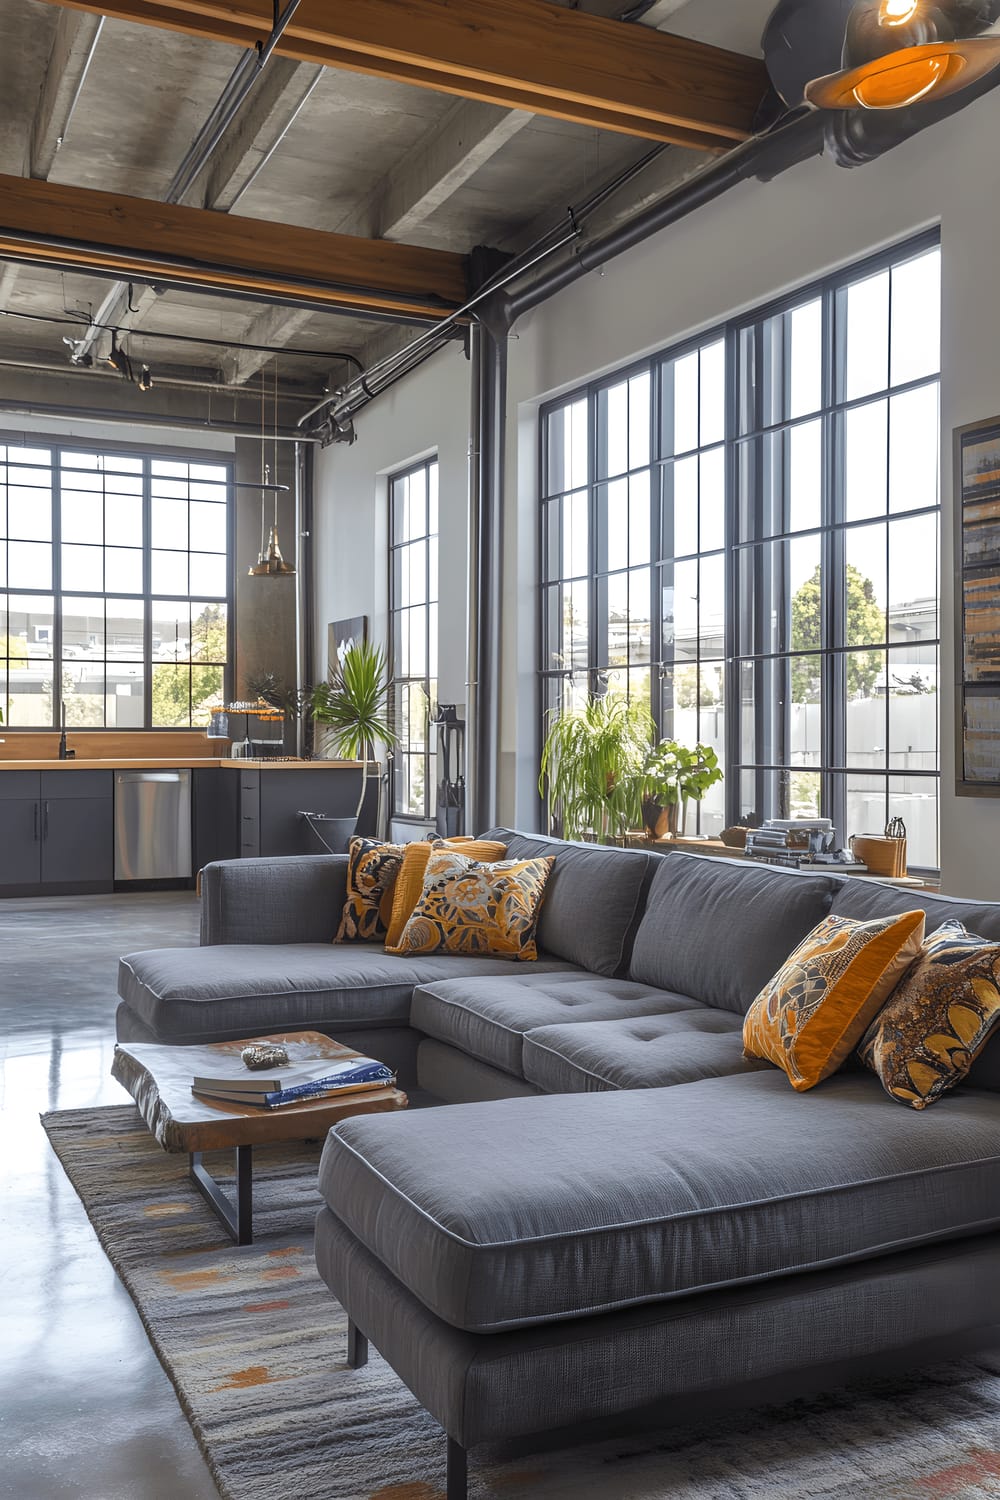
[300,1083]
[799,843]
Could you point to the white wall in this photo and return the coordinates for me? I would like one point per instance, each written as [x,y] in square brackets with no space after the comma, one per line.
[14,423]
[426,414]
[758,241]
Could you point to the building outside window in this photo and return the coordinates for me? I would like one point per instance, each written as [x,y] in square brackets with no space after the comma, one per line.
[115,575]
[744,532]
[413,596]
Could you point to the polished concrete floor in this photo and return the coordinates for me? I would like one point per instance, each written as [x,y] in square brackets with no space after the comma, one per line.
[85,1409]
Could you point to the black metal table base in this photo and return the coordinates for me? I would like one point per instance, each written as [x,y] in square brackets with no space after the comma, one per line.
[236,1215]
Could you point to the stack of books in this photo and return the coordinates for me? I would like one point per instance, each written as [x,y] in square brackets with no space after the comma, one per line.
[795,843]
[298,1083]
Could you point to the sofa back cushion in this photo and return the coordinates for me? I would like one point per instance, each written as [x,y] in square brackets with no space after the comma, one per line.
[593,901]
[867,899]
[719,930]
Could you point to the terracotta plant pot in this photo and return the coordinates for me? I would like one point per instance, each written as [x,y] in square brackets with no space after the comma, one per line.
[661,822]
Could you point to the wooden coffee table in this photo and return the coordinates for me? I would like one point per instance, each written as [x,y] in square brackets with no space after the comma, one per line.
[159,1080]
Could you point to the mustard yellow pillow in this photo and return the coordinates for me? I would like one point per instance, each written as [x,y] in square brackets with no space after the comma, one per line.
[818,1006]
[477,909]
[410,880]
[937,1022]
[372,868]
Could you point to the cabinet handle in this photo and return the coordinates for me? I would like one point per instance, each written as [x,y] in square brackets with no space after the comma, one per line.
[36,823]
[45,822]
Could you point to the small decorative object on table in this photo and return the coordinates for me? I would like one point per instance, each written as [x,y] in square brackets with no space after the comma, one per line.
[257,1057]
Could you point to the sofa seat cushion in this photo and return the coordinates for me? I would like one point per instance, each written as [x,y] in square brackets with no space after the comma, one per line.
[186,994]
[522,1211]
[682,1045]
[487,1018]
[719,930]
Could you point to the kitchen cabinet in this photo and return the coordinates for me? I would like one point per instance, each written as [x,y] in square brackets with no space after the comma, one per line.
[56,831]
[265,803]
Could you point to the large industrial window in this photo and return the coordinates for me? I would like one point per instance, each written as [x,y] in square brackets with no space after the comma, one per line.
[745,532]
[114,568]
[413,594]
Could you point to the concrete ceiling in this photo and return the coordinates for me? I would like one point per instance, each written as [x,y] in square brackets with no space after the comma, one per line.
[115,106]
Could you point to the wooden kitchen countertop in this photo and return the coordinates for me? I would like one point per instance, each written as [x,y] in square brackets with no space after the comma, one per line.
[174,763]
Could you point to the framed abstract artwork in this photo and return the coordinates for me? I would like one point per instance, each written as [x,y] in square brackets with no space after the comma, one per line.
[977,603]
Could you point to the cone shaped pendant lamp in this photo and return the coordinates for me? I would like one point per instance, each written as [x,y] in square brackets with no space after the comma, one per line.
[270,563]
[897,52]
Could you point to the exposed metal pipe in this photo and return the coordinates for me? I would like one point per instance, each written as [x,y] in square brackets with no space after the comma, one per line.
[547,244]
[220,388]
[241,81]
[80,82]
[279,138]
[486,519]
[800,137]
[146,419]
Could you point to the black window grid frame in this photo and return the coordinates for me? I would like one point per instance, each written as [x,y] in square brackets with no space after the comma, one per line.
[399,682]
[834,769]
[148,455]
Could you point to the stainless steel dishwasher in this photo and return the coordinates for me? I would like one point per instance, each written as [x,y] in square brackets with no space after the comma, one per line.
[152,825]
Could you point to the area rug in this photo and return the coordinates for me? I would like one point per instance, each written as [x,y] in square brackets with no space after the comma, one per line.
[254,1345]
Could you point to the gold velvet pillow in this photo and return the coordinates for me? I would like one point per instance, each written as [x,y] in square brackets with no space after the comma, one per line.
[477,909]
[816,1009]
[410,881]
[372,869]
[936,1023]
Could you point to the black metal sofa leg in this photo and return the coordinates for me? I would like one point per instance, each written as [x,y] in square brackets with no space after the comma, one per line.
[357,1347]
[457,1483]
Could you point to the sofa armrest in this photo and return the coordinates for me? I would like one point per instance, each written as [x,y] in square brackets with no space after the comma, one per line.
[298,899]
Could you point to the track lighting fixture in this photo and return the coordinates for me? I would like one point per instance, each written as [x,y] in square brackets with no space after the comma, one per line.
[145,381]
[117,358]
[897,52]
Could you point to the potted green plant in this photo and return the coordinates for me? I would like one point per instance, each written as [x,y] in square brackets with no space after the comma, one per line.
[592,767]
[352,710]
[674,775]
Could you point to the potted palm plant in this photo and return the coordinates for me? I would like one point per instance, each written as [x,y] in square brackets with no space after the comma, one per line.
[352,711]
[592,767]
[673,775]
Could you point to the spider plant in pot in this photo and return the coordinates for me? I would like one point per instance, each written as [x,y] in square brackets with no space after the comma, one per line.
[591,767]
[674,775]
[352,710]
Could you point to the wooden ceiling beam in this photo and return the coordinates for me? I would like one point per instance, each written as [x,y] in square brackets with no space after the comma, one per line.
[133,238]
[524,54]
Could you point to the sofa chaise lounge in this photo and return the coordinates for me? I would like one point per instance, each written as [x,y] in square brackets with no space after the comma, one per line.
[618,1209]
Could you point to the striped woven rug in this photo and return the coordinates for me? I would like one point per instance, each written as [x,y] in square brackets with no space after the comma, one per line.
[254,1345]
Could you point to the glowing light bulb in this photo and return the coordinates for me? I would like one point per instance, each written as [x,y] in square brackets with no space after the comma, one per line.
[897,12]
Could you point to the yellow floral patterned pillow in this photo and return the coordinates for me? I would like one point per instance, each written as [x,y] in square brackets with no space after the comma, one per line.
[372,869]
[477,909]
[939,1019]
[818,1006]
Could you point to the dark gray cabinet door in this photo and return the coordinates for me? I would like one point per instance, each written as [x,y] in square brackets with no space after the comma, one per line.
[20,840]
[77,840]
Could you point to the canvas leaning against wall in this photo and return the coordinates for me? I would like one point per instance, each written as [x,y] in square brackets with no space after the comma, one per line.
[340,636]
[977,558]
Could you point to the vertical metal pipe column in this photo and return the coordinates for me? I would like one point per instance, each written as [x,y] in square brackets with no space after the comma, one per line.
[489,412]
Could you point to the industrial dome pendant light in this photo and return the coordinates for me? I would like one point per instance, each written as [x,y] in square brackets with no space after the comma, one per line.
[897,52]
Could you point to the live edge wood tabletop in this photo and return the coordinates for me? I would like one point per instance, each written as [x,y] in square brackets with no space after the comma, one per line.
[159,1080]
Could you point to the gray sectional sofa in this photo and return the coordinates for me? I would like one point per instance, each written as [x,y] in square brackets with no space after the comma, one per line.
[618,1209]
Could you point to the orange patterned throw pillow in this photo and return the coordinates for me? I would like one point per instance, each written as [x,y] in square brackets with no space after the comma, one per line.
[816,1009]
[938,1021]
[372,869]
[410,881]
[477,909]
